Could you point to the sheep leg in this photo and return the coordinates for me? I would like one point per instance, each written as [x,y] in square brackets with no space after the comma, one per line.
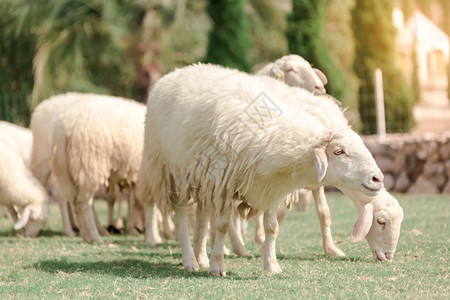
[271,231]
[237,242]
[323,213]
[212,233]
[118,223]
[102,231]
[168,227]
[135,215]
[152,236]
[110,203]
[72,220]
[217,261]
[305,199]
[200,236]
[67,226]
[86,221]
[189,261]
[260,236]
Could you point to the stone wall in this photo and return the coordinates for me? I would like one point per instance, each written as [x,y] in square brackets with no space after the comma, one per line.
[416,164]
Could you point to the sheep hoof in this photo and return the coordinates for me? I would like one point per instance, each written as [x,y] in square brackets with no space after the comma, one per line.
[242,252]
[113,229]
[170,236]
[203,261]
[193,268]
[70,233]
[334,251]
[217,269]
[134,231]
[273,268]
[153,241]
[218,273]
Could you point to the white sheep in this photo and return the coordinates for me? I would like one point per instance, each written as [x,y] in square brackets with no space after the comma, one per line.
[42,124]
[20,189]
[224,135]
[96,142]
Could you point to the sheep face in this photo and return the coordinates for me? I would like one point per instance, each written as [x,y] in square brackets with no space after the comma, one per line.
[298,72]
[294,70]
[33,218]
[344,161]
[380,221]
[384,233]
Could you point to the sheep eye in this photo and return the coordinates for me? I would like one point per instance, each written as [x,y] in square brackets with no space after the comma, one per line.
[339,152]
[381,221]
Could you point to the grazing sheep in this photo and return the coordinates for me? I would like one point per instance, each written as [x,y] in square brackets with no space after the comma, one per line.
[379,221]
[20,189]
[223,134]
[96,142]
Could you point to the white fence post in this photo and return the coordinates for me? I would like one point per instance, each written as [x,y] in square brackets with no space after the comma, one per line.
[379,103]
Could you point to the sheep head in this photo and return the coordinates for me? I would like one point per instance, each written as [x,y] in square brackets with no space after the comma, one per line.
[379,221]
[294,70]
[33,218]
[342,160]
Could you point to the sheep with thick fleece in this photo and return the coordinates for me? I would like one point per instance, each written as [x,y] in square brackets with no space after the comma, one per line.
[42,125]
[224,135]
[20,189]
[95,143]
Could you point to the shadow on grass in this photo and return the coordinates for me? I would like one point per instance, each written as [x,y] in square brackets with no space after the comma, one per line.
[42,233]
[322,257]
[133,268]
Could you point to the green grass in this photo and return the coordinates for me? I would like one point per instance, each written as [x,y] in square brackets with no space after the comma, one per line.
[52,266]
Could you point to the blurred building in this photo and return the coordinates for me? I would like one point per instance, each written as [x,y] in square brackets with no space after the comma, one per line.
[431,45]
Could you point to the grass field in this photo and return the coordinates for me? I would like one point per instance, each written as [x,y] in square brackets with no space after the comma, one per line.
[52,266]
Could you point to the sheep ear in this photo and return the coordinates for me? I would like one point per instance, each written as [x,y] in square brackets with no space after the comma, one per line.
[277,73]
[322,76]
[24,218]
[363,223]
[321,162]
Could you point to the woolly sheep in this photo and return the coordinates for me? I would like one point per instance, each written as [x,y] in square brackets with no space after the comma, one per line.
[202,136]
[42,125]
[96,143]
[43,122]
[20,189]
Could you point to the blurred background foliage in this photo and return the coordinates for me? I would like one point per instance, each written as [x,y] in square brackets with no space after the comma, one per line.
[122,47]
